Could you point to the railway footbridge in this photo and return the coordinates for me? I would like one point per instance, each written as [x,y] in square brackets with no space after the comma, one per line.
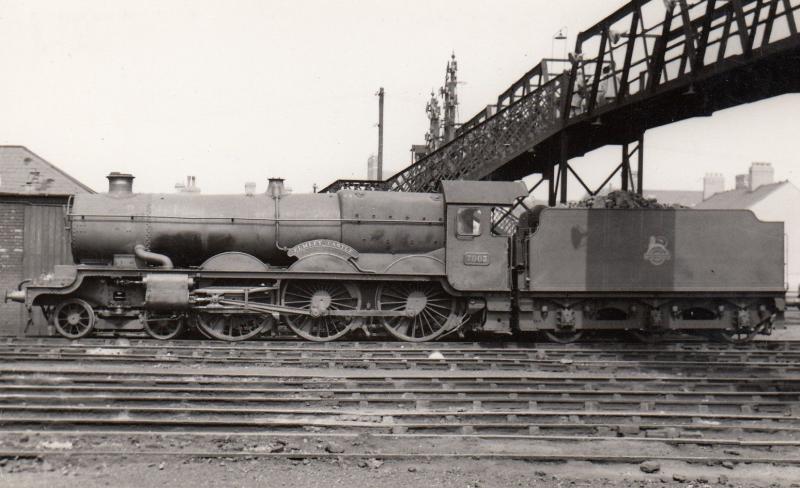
[648,64]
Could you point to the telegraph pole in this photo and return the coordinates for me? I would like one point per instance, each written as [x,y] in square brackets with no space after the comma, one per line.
[380,134]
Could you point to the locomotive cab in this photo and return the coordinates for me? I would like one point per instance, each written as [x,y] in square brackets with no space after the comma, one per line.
[477,255]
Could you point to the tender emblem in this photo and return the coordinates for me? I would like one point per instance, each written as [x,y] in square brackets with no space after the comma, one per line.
[657,252]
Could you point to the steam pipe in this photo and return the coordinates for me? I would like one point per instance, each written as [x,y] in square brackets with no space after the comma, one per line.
[275,190]
[152,257]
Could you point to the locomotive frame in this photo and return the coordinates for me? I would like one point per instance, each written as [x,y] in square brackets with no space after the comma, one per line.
[551,274]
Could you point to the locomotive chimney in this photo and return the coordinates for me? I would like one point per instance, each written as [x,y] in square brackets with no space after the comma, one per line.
[120,183]
[275,188]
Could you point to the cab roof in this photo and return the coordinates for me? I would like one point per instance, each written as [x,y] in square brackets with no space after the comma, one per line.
[483,192]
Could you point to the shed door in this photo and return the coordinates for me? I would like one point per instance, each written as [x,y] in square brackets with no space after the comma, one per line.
[476,259]
[45,244]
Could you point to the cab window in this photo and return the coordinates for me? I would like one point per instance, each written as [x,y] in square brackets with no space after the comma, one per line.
[468,222]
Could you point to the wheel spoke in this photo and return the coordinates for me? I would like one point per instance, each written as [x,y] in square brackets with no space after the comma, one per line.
[74,318]
[432,309]
[234,327]
[164,327]
[323,296]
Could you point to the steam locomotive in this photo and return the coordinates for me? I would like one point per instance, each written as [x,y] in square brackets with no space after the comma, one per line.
[419,266]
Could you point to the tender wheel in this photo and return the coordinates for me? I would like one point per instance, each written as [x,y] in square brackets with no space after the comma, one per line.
[163,326]
[428,307]
[737,336]
[648,336]
[232,327]
[74,318]
[563,336]
[319,297]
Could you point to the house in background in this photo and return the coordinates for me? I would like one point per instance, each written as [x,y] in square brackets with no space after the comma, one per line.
[712,183]
[685,198]
[769,201]
[33,238]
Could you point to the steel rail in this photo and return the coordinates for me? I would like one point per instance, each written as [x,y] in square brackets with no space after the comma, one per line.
[694,433]
[750,357]
[474,403]
[393,347]
[396,377]
[376,346]
[363,393]
[605,458]
[383,413]
[400,352]
[449,363]
[434,436]
[690,433]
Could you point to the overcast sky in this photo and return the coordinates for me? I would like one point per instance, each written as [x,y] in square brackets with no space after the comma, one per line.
[235,91]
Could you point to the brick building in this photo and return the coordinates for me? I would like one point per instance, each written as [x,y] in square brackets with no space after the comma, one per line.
[33,198]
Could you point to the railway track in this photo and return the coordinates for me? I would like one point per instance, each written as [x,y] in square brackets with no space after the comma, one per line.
[706,358]
[695,402]
[751,413]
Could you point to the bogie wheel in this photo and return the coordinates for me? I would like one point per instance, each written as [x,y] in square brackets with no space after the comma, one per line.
[319,298]
[233,327]
[428,308]
[564,336]
[163,326]
[74,318]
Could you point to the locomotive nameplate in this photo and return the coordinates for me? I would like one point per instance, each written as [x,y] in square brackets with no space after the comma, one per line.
[327,246]
[476,259]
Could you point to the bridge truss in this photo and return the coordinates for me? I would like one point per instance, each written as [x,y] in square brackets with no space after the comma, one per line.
[650,63]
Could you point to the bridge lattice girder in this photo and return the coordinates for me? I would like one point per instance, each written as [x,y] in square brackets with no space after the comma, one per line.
[650,63]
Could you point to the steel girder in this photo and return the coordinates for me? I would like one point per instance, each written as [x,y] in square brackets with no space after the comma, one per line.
[650,63]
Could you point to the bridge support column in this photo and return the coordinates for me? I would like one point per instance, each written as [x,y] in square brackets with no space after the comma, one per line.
[640,166]
[563,160]
[630,150]
[551,186]
[626,167]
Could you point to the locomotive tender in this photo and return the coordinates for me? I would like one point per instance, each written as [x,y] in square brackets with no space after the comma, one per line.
[421,266]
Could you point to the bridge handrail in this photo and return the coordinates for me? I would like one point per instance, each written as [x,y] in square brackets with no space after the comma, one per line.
[400,179]
[644,49]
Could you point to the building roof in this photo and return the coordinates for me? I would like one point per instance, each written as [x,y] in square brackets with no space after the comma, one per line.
[22,172]
[685,198]
[740,198]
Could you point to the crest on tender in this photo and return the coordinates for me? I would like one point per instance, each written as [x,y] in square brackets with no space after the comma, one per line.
[657,252]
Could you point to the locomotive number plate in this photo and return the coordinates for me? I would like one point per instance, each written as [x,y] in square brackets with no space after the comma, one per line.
[476,259]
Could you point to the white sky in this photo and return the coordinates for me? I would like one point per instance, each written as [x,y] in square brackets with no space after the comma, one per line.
[239,90]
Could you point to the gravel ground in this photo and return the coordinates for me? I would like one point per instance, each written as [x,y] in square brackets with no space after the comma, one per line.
[201,473]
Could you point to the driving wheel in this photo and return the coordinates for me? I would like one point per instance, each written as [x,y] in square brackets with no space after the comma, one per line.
[319,298]
[233,327]
[427,309]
